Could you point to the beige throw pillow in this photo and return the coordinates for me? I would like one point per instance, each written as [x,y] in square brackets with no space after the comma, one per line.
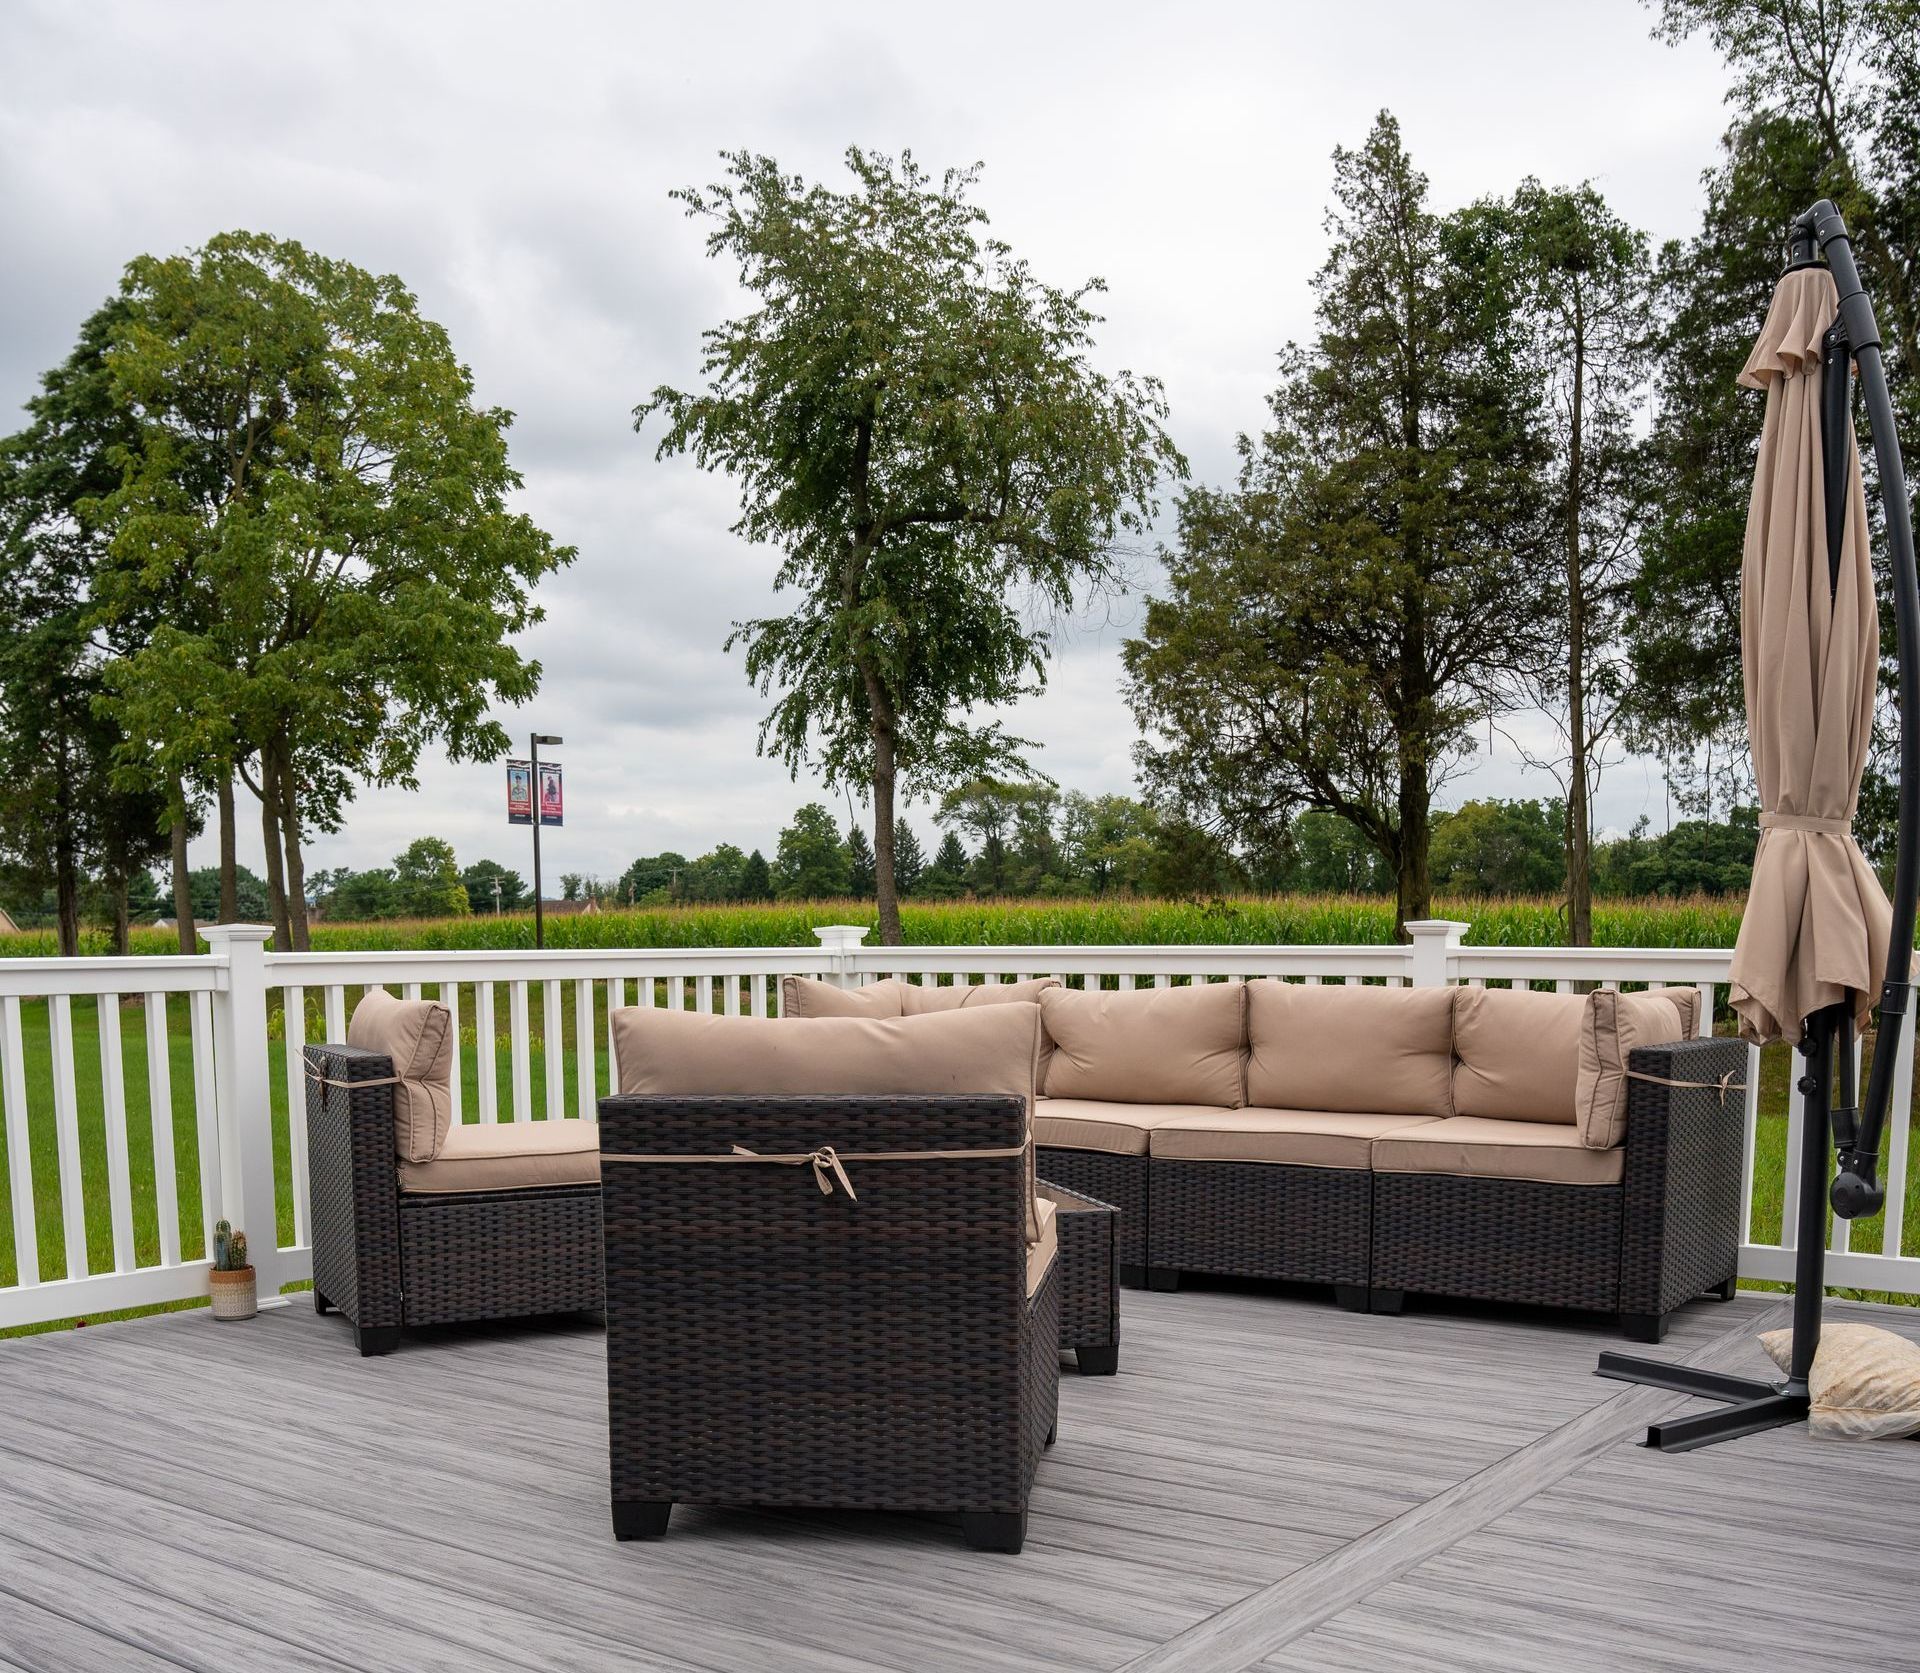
[802,996]
[417,1034]
[983,1051]
[1865,1383]
[1616,1024]
[918,1000]
[1149,1046]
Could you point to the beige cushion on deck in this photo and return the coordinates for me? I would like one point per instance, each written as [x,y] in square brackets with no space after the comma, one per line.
[1865,1382]
[1092,1124]
[417,1034]
[1615,1024]
[1041,1251]
[1149,1046]
[802,996]
[1295,1138]
[1518,1051]
[979,1051]
[514,1156]
[1483,1147]
[1339,1048]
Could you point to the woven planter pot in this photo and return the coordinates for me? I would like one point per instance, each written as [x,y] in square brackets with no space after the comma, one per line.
[233,1294]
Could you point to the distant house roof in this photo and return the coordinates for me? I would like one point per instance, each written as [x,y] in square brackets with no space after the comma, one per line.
[7,925]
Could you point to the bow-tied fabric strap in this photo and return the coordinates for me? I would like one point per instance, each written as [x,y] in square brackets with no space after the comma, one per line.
[319,1079]
[1725,1084]
[828,1164]
[1806,822]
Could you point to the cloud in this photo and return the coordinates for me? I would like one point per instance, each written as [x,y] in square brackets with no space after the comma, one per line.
[513,166]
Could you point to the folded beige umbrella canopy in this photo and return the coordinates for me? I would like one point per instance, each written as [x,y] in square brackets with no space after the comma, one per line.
[1816,927]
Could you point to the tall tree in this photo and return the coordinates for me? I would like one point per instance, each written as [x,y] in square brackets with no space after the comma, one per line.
[1336,626]
[310,466]
[860,878]
[909,858]
[812,862]
[756,878]
[1582,279]
[914,419]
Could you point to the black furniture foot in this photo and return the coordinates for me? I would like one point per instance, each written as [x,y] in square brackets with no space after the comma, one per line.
[995,1530]
[1386,1301]
[1162,1278]
[321,1304]
[376,1339]
[1353,1297]
[641,1518]
[1131,1277]
[1726,1291]
[1053,1432]
[1098,1362]
[1644,1327]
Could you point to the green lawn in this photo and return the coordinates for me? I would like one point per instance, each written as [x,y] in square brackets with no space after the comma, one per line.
[1777,1070]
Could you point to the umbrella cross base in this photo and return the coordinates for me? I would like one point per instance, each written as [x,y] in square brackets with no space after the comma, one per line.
[1751,1405]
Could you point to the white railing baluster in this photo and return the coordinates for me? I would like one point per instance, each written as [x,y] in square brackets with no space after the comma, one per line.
[13,1100]
[757,984]
[166,1178]
[410,990]
[486,1065]
[336,1003]
[1901,1123]
[616,999]
[293,1026]
[585,1073]
[456,1086]
[113,1108]
[676,993]
[66,1126]
[553,1037]
[731,995]
[703,995]
[521,1047]
[206,1124]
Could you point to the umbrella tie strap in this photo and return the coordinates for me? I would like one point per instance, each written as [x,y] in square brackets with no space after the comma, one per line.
[1725,1084]
[1806,822]
[828,1164]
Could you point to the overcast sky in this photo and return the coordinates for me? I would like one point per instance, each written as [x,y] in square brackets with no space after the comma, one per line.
[512,165]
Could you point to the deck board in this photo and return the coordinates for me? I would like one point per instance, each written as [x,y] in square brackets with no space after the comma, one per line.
[258,1495]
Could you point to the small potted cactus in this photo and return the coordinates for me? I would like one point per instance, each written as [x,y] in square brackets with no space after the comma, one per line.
[232,1277]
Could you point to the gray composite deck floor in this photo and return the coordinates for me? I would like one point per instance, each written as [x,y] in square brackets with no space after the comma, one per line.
[1270,1482]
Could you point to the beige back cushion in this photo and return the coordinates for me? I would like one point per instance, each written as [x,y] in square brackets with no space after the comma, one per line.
[1149,1046]
[1615,1024]
[919,1001]
[1518,1053]
[802,996]
[981,1051]
[418,1035]
[1385,1051]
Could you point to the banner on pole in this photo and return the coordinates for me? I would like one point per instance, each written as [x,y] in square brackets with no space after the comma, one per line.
[519,793]
[551,809]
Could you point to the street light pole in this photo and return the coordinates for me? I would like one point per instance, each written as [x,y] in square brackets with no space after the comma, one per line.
[539,904]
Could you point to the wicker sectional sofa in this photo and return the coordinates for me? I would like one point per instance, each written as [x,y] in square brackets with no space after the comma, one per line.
[1544,1148]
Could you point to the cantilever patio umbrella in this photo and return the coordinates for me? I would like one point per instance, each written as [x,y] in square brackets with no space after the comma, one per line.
[1813,955]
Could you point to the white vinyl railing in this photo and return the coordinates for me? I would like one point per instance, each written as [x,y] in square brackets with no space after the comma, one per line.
[144,1098]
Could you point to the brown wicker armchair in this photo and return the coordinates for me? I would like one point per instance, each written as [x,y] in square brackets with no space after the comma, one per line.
[886,1342]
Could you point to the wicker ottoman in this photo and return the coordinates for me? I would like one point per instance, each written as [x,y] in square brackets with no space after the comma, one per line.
[1089,1279]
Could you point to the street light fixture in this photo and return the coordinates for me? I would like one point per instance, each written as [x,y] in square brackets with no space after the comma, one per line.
[539,904]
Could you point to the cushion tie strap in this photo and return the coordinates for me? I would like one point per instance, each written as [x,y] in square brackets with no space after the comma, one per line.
[828,1164]
[1725,1084]
[319,1079]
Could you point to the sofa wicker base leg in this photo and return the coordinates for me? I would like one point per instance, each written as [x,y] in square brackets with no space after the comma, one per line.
[641,1518]
[1644,1327]
[1131,1277]
[321,1304]
[995,1530]
[1163,1278]
[1098,1362]
[1726,1291]
[1053,1432]
[1386,1301]
[1353,1297]
[376,1339]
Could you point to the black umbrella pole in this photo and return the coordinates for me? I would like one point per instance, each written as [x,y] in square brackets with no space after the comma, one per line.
[1856,1187]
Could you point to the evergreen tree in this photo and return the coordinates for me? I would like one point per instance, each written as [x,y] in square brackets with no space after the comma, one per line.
[756,878]
[909,858]
[947,875]
[860,864]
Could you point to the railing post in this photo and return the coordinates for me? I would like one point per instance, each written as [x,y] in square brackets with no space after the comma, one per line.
[243,1096]
[840,942]
[1431,949]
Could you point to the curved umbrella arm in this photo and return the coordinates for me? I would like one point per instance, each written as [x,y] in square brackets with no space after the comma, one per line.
[1856,1187]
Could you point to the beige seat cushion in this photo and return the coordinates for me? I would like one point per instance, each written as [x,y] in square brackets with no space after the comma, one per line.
[1518,1053]
[1149,1046]
[514,1156]
[802,996]
[417,1034]
[1614,1025]
[1485,1147]
[1865,1382]
[978,1051]
[1041,1252]
[1368,1050]
[1118,1129]
[1296,1138]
